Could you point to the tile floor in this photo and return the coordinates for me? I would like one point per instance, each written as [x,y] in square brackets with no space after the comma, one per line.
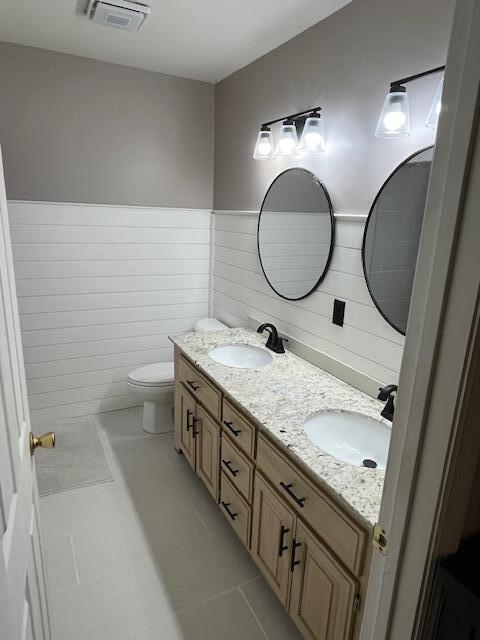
[150,556]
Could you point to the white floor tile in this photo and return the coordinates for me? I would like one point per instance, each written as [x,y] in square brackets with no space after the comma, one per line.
[226,616]
[269,612]
[60,563]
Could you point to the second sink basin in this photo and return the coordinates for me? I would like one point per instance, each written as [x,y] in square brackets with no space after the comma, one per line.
[351,437]
[242,356]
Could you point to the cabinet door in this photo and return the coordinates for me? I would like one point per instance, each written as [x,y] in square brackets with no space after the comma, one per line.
[273,524]
[186,422]
[207,445]
[323,594]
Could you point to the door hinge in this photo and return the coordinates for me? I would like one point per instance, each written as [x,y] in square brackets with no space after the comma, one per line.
[356,603]
[380,538]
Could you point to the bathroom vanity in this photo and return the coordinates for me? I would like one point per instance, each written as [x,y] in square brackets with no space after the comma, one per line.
[306,517]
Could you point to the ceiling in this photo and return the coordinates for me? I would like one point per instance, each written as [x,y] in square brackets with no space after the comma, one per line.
[202,39]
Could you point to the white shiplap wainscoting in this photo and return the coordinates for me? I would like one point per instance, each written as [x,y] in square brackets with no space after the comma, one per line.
[100,288]
[366,342]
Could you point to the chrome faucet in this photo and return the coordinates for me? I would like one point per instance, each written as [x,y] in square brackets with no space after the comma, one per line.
[386,395]
[274,342]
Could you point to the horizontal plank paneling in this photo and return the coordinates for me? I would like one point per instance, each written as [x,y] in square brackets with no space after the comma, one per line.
[114,284]
[98,268]
[41,304]
[86,364]
[104,215]
[100,288]
[121,315]
[98,235]
[47,251]
[366,341]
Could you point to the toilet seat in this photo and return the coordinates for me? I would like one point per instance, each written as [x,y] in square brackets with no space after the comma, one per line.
[159,374]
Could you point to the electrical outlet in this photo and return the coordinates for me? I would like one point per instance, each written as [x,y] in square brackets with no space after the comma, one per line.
[338,312]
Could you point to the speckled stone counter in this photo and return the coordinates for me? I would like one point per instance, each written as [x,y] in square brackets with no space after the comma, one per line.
[279,397]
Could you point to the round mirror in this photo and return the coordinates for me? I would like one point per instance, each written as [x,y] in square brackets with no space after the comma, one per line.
[295,233]
[392,234]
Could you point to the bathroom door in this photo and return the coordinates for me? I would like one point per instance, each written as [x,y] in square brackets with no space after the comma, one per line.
[23,603]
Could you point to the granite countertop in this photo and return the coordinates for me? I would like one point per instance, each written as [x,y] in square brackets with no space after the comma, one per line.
[279,397]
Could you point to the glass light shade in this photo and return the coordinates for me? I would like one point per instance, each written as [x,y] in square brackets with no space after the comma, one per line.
[394,121]
[432,118]
[287,140]
[313,135]
[264,145]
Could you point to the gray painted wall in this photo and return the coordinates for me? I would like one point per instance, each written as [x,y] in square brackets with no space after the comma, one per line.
[345,64]
[78,130]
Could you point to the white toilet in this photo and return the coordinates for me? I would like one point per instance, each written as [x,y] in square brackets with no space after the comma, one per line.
[153,384]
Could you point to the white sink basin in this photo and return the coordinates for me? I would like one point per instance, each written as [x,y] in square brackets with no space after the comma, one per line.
[350,437]
[242,356]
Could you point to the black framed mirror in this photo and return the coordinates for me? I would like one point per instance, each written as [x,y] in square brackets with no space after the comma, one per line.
[391,237]
[295,234]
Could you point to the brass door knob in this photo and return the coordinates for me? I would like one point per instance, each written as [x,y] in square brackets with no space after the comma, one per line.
[46,441]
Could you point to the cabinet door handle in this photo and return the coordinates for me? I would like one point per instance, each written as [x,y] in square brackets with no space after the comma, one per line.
[228,464]
[229,425]
[193,385]
[194,422]
[281,546]
[293,562]
[225,506]
[288,489]
[189,414]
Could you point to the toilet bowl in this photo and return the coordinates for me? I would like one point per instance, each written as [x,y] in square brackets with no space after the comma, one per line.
[153,385]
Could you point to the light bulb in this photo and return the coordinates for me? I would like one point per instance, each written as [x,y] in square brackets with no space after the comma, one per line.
[312,139]
[394,120]
[313,134]
[264,148]
[264,144]
[286,145]
[287,139]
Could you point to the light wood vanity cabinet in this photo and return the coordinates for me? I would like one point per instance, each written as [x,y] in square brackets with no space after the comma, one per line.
[313,555]
[273,531]
[199,439]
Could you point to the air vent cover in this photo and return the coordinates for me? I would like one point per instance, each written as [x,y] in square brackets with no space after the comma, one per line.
[119,14]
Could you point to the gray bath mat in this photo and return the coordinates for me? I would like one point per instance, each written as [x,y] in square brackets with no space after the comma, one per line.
[78,459]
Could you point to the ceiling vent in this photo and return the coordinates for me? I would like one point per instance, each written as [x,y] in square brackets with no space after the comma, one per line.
[119,14]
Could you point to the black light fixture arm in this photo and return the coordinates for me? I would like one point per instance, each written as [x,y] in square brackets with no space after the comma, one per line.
[403,81]
[294,116]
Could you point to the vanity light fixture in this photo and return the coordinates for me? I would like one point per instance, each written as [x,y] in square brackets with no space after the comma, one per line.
[432,118]
[313,134]
[264,144]
[287,139]
[308,124]
[394,121]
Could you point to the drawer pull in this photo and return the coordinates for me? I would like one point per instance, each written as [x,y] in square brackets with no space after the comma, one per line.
[293,562]
[194,422]
[193,385]
[189,414]
[288,489]
[228,464]
[229,425]
[225,506]
[281,546]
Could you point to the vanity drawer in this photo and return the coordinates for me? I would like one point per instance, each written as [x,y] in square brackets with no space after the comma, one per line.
[200,387]
[343,536]
[238,427]
[237,467]
[235,509]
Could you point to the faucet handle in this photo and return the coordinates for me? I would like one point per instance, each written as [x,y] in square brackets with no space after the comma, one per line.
[386,392]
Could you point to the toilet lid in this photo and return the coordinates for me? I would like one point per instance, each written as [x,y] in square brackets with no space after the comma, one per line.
[153,375]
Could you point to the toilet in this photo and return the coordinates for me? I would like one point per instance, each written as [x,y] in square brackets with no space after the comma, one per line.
[153,385]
